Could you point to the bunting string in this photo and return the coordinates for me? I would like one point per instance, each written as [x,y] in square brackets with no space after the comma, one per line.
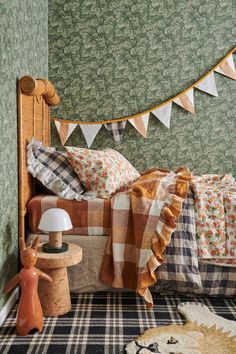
[162,111]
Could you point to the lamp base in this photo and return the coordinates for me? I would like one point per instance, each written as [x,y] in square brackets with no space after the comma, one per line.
[48,249]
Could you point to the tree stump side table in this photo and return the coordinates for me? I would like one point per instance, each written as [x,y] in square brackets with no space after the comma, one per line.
[55,297]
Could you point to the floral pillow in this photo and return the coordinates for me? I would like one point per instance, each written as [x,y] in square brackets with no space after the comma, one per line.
[105,172]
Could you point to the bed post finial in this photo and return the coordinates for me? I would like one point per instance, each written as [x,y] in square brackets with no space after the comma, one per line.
[37,87]
[27,84]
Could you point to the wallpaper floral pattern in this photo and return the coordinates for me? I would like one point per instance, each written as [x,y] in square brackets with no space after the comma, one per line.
[111,59]
[24,50]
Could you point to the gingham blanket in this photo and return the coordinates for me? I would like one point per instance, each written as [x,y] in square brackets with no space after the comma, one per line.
[88,217]
[143,220]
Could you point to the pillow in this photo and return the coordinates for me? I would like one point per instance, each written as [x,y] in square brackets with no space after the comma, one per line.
[105,172]
[52,169]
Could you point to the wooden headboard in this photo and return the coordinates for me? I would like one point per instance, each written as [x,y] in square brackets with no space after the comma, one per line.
[35,96]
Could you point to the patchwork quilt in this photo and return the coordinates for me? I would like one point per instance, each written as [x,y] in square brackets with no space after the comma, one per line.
[143,220]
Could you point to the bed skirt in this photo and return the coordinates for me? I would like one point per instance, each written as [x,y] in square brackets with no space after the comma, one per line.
[84,277]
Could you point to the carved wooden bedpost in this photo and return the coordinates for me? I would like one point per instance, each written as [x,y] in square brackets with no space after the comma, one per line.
[39,87]
[35,96]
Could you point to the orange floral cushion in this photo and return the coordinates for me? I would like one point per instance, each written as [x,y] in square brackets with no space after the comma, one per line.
[105,172]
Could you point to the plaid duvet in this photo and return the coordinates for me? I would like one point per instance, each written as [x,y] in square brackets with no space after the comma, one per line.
[217,281]
[180,269]
[143,220]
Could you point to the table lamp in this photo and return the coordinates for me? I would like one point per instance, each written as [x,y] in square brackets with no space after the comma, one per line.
[55,221]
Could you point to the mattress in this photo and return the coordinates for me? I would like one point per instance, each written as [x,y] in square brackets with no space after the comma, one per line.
[88,217]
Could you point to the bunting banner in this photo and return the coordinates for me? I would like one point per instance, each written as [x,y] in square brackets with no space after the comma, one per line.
[116,129]
[162,112]
[141,124]
[186,101]
[208,85]
[227,68]
[65,130]
[90,131]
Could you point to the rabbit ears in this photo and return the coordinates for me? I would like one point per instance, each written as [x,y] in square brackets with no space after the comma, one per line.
[34,244]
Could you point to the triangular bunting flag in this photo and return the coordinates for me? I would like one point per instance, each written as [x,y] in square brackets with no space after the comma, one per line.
[186,101]
[90,131]
[141,124]
[208,85]
[163,114]
[227,68]
[64,129]
[116,129]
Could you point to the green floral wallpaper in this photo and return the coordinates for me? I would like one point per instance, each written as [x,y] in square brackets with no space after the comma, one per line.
[24,50]
[110,59]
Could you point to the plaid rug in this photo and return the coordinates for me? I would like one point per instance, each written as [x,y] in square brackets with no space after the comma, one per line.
[103,323]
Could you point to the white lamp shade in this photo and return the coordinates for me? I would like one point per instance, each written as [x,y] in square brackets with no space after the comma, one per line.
[55,219]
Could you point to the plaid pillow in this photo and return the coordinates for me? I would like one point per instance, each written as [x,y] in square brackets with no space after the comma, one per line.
[53,170]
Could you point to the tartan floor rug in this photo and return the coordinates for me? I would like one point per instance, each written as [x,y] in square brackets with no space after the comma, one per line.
[103,323]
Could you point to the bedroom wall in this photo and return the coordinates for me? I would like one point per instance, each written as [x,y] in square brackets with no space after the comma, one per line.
[24,50]
[110,59]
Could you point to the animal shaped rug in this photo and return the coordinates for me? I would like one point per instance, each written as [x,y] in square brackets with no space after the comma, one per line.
[204,333]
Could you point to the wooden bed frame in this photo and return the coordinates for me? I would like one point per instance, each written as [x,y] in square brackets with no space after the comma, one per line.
[35,96]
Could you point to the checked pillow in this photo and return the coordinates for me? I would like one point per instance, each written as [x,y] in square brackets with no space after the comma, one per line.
[53,170]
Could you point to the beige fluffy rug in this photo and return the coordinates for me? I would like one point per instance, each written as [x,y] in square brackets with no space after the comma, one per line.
[192,338]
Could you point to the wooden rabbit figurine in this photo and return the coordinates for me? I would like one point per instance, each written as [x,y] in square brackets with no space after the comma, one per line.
[30,315]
